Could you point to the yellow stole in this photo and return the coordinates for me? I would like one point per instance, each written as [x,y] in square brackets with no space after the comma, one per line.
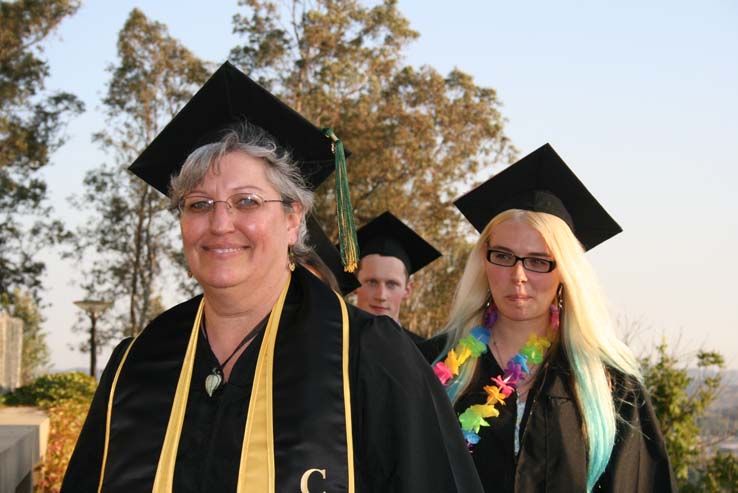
[257,469]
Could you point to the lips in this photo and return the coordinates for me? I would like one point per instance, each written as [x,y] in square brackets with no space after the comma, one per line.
[378,308]
[223,249]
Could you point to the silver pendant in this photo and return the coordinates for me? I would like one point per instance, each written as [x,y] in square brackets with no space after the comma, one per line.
[212,382]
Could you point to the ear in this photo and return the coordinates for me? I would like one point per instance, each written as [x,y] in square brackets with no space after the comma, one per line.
[294,218]
[408,289]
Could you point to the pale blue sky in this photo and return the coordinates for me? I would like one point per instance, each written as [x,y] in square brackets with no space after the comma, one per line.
[640,100]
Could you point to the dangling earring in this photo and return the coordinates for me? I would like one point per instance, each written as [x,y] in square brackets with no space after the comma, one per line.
[556,308]
[490,313]
[189,273]
[291,259]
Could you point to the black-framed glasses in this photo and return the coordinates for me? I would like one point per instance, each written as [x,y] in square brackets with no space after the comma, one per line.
[507,259]
[241,202]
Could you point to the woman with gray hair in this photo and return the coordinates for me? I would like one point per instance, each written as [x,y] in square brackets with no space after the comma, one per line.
[268,381]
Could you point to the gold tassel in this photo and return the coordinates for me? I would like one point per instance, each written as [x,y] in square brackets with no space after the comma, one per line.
[347,241]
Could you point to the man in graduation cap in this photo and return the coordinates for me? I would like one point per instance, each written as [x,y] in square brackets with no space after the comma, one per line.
[391,252]
[269,381]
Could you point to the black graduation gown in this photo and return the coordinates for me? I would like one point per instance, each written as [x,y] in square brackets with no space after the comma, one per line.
[553,456]
[404,431]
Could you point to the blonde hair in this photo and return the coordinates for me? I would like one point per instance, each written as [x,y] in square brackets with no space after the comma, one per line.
[587,331]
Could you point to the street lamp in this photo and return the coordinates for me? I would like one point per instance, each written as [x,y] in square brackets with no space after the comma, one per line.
[93,308]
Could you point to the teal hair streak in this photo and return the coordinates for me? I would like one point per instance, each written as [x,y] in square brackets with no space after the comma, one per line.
[600,429]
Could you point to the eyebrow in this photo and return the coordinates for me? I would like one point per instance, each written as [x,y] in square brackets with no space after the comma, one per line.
[254,187]
[240,189]
[530,254]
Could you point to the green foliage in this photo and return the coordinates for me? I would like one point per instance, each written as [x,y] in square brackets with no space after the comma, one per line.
[720,475]
[419,138]
[54,389]
[679,410]
[35,358]
[131,232]
[66,399]
[31,124]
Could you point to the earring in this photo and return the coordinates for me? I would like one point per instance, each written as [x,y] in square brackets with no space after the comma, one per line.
[189,273]
[490,313]
[291,259]
[556,308]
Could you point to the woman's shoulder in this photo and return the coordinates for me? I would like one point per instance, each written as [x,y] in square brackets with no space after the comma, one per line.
[173,319]
[628,391]
[185,309]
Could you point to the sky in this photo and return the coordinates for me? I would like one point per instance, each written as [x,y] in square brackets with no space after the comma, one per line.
[640,101]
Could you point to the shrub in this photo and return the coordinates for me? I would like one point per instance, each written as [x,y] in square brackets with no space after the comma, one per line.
[66,398]
[49,390]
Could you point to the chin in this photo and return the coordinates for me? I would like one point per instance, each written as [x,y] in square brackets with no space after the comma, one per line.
[221,282]
[521,315]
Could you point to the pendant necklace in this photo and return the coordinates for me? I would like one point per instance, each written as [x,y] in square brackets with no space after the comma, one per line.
[214,381]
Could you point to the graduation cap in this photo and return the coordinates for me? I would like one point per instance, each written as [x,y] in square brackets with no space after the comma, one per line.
[541,182]
[331,257]
[227,99]
[388,236]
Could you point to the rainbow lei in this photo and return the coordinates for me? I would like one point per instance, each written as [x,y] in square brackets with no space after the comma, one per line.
[473,346]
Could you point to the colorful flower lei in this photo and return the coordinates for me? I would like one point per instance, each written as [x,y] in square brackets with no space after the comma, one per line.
[476,344]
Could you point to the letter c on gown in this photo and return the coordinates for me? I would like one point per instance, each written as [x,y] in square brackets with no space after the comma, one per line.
[306,476]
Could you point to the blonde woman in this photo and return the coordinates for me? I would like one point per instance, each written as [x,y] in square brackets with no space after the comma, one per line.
[547,397]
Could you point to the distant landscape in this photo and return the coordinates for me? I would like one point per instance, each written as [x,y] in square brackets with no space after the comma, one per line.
[719,427]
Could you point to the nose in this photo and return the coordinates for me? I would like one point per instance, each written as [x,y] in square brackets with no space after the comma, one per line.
[381,292]
[518,273]
[221,218]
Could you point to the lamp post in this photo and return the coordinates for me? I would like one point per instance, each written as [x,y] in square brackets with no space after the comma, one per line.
[93,308]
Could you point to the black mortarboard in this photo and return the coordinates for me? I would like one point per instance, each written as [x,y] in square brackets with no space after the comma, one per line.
[386,235]
[228,98]
[541,182]
[330,256]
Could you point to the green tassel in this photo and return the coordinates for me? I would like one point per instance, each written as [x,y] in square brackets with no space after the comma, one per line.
[347,241]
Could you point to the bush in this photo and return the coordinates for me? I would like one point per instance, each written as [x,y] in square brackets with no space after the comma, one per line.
[49,390]
[66,398]
[66,420]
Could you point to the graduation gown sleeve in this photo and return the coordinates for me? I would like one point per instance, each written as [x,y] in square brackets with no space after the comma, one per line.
[639,462]
[410,438]
[83,471]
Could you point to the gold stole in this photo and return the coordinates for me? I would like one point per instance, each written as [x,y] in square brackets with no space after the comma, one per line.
[256,470]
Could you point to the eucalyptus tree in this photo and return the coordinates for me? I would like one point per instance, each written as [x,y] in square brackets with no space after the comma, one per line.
[32,121]
[126,243]
[418,137]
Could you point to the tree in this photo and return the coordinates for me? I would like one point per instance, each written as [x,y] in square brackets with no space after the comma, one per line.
[31,124]
[418,137]
[131,230]
[35,358]
[678,409]
[720,475]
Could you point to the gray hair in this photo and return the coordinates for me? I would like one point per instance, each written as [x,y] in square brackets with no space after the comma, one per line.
[282,171]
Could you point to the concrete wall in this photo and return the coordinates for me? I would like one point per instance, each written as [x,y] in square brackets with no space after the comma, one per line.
[11,351]
[18,455]
[24,433]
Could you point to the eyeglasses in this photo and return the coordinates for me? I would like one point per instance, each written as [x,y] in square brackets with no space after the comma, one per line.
[533,264]
[197,205]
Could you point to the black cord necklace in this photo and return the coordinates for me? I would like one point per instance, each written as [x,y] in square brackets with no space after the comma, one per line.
[214,381]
